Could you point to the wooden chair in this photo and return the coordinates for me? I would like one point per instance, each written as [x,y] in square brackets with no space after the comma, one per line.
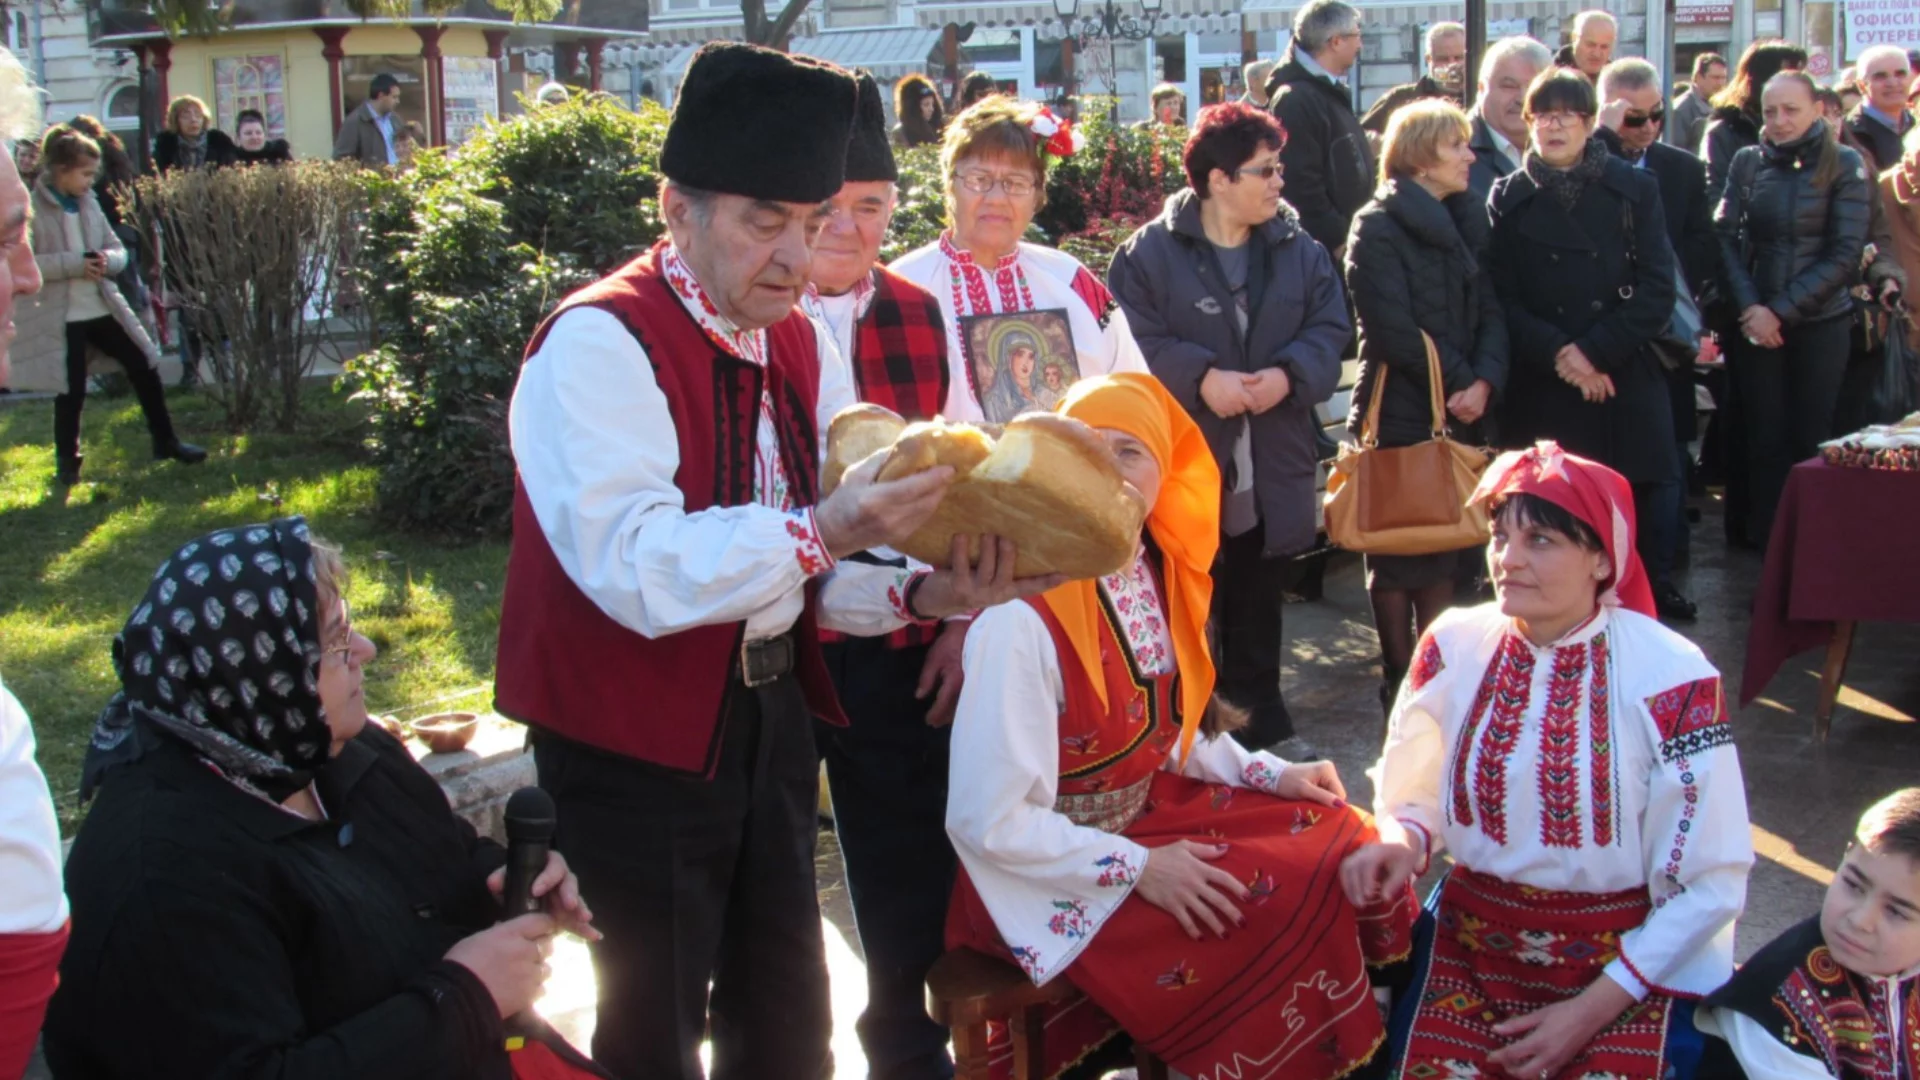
[966,989]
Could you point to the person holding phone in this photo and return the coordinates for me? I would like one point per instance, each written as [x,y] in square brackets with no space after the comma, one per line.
[80,309]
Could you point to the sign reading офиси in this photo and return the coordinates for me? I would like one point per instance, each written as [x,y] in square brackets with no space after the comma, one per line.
[1881,22]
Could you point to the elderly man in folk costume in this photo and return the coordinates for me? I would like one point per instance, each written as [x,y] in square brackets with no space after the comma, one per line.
[672,566]
[1187,885]
[1574,756]
[888,767]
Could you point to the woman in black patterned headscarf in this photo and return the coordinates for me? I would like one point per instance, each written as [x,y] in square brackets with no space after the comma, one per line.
[284,872]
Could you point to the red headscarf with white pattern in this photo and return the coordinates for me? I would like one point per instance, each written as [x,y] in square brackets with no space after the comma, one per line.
[1589,491]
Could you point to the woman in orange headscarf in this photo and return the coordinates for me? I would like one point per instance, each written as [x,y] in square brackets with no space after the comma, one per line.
[1108,836]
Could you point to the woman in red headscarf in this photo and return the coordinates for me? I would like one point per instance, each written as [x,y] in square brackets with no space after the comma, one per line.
[1188,886]
[1575,758]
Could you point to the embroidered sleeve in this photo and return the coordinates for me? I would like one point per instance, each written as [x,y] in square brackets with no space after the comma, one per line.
[1093,293]
[867,599]
[1220,759]
[1407,780]
[1696,845]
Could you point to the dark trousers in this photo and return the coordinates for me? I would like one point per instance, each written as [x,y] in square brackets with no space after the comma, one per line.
[888,772]
[1248,594]
[105,334]
[1786,399]
[703,881]
[1660,507]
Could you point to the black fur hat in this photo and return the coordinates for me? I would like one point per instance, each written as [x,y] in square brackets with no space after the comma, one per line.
[754,122]
[870,153]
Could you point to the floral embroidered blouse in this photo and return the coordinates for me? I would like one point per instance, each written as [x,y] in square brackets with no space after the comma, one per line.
[1597,764]
[1046,880]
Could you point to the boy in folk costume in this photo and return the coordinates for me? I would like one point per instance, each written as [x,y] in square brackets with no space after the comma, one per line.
[1186,884]
[1837,996]
[1575,758]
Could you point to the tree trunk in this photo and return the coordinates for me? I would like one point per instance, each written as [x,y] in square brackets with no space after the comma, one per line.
[774,33]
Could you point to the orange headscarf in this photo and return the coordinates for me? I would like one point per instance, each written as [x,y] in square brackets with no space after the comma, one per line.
[1184,521]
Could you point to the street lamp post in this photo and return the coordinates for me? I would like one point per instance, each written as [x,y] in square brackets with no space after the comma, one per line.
[1108,23]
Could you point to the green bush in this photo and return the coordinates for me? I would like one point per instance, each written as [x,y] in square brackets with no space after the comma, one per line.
[466,254]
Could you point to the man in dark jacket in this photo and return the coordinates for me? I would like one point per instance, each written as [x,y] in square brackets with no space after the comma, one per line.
[1241,314]
[1499,138]
[1445,78]
[1631,120]
[1329,164]
[1882,119]
[1692,109]
[1591,50]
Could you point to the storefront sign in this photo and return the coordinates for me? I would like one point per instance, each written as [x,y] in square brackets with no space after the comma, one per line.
[1881,22]
[473,95]
[1701,12]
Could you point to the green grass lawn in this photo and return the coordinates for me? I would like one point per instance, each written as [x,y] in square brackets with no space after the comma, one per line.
[74,562]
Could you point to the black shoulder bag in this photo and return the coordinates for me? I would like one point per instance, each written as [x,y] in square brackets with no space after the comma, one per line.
[1678,343]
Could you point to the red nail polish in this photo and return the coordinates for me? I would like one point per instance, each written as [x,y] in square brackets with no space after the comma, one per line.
[1339,804]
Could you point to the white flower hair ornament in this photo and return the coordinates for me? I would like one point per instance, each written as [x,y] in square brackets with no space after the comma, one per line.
[1059,139]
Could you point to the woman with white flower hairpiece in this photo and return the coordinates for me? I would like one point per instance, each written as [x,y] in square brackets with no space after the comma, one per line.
[996,290]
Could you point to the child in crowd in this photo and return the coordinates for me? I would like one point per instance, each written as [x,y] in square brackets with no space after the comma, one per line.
[1837,995]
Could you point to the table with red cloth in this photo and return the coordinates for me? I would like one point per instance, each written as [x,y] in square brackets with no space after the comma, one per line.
[1841,553]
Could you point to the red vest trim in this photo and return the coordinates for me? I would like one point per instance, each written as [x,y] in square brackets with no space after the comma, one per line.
[566,667]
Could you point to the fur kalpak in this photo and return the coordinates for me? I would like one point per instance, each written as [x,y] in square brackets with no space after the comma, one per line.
[870,152]
[753,122]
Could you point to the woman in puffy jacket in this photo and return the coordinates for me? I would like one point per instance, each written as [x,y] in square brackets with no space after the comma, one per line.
[1736,120]
[1416,264]
[1792,225]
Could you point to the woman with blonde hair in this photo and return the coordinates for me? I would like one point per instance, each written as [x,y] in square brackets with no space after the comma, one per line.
[990,280]
[1417,269]
[190,140]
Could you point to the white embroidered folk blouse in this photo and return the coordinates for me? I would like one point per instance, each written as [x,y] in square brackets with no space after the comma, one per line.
[32,901]
[1599,764]
[595,445]
[1033,278]
[1025,858]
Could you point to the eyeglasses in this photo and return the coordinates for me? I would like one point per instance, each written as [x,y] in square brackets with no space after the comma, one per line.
[1264,172]
[1658,115]
[345,649]
[1560,119]
[1016,185]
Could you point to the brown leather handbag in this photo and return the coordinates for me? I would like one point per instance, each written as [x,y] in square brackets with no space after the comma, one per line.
[1408,500]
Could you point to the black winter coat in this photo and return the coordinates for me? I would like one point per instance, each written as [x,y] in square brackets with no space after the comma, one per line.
[1560,275]
[1729,131]
[1169,281]
[166,150]
[1683,195]
[1786,243]
[1329,163]
[1489,164]
[275,152]
[1415,263]
[215,934]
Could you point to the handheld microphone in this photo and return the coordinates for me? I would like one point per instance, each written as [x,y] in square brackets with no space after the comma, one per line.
[529,819]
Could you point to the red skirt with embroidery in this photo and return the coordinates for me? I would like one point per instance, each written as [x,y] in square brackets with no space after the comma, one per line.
[1502,950]
[1288,995]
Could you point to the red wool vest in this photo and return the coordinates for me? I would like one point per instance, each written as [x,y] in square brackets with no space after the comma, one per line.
[563,665]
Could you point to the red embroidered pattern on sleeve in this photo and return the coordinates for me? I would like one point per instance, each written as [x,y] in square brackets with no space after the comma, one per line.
[900,595]
[1501,736]
[1261,776]
[1559,766]
[1460,807]
[807,546]
[1600,742]
[1093,292]
[1691,717]
[1427,663]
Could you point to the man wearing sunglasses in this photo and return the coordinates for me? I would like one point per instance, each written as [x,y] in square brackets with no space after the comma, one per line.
[1632,121]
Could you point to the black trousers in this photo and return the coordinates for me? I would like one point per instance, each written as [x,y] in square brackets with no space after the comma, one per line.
[888,772]
[1786,399]
[106,334]
[1248,597]
[697,882]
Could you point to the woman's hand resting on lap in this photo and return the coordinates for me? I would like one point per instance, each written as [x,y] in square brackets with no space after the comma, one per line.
[1179,881]
[510,960]
[1544,1040]
[1312,781]
[1377,871]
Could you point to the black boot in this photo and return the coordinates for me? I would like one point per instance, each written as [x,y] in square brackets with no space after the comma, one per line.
[153,402]
[66,438]
[184,452]
[66,471]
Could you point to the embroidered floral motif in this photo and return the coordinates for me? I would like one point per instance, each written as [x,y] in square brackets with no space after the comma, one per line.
[1081,745]
[808,547]
[1427,663]
[1028,958]
[769,476]
[1303,819]
[1690,793]
[1137,602]
[1179,978]
[1116,871]
[1600,743]
[1260,888]
[1511,691]
[1560,749]
[1261,776]
[1222,796]
[969,282]
[1691,718]
[1070,920]
[1461,805]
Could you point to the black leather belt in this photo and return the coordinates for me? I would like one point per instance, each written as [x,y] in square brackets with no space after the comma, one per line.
[761,662]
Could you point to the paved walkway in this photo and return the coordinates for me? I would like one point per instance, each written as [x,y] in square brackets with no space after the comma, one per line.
[1804,797]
